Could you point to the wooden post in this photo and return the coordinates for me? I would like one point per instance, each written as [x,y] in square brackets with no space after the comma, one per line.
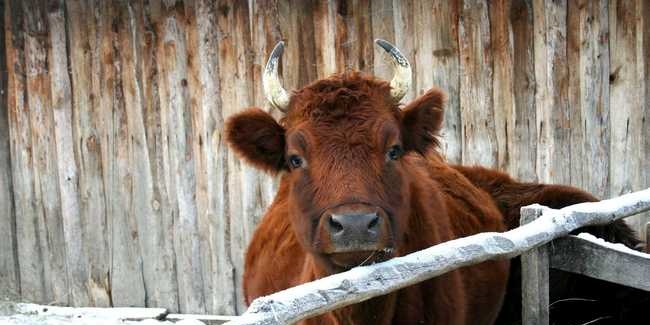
[647,237]
[534,277]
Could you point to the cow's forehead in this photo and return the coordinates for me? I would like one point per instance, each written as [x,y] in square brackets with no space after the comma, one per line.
[342,100]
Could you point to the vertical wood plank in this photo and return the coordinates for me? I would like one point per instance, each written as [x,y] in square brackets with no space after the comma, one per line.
[126,282]
[574,91]
[325,37]
[9,269]
[381,17]
[645,125]
[405,37]
[523,146]
[165,285]
[68,179]
[551,75]
[217,269]
[626,99]
[502,88]
[445,68]
[592,74]
[86,124]
[30,255]
[47,196]
[476,104]
[176,121]
[534,279]
[246,197]
[136,38]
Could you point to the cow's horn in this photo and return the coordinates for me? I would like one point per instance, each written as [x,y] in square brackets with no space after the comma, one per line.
[273,89]
[402,78]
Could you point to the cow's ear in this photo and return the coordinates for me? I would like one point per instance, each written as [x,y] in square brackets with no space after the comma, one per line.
[422,120]
[257,138]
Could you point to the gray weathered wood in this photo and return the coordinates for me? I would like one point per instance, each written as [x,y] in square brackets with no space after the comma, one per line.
[9,280]
[362,283]
[600,261]
[626,99]
[534,279]
[476,73]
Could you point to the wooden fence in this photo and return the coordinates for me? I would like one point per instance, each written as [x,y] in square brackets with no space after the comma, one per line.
[116,187]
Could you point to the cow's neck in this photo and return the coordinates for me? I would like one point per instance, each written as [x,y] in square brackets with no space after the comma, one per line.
[378,310]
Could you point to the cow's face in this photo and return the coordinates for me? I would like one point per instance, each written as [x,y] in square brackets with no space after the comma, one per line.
[345,148]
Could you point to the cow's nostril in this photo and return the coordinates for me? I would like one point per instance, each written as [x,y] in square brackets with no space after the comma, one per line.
[374,223]
[335,225]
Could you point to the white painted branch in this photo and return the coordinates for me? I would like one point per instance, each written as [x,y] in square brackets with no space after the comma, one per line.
[362,283]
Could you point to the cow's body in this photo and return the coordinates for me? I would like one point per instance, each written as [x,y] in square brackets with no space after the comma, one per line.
[471,295]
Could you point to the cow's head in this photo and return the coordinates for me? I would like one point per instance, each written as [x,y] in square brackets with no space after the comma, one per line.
[345,146]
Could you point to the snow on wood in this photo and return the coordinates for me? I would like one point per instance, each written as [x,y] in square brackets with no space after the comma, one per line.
[28,314]
[597,258]
[362,283]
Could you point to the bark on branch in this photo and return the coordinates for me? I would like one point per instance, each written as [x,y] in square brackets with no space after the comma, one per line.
[362,283]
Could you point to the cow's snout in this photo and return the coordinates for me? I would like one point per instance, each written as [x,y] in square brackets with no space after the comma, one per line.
[348,227]
[354,228]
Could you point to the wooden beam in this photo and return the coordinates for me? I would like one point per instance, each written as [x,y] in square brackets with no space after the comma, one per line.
[534,279]
[601,260]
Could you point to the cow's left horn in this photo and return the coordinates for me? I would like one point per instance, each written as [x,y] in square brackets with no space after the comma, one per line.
[273,89]
[402,78]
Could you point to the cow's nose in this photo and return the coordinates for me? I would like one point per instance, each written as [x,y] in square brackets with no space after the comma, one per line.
[355,229]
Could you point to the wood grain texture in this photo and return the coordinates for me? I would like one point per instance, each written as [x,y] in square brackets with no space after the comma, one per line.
[121,191]
[476,73]
[9,269]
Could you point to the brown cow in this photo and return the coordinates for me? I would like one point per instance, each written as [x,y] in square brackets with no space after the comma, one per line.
[362,181]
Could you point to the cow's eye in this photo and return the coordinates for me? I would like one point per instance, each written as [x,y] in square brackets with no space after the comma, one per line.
[394,153]
[295,161]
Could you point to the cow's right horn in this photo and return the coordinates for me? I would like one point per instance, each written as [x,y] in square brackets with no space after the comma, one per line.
[273,89]
[402,69]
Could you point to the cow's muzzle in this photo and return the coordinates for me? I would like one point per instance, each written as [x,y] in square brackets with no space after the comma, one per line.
[354,229]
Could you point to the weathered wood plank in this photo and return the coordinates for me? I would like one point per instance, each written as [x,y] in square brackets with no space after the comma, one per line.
[152,230]
[163,291]
[31,264]
[502,89]
[534,278]
[381,17]
[325,37]
[591,78]
[476,103]
[126,282]
[626,99]
[587,256]
[68,174]
[47,196]
[445,68]
[523,146]
[405,39]
[209,150]
[87,143]
[574,37]
[9,269]
[176,123]
[551,75]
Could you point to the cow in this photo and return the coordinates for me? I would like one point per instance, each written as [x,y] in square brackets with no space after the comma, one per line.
[362,180]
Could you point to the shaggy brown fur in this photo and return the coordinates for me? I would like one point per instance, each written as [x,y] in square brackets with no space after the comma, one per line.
[340,130]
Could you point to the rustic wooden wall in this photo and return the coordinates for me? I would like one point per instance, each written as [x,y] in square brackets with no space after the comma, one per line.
[116,187]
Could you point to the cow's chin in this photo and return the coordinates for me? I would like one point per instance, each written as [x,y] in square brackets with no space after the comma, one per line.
[345,261]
